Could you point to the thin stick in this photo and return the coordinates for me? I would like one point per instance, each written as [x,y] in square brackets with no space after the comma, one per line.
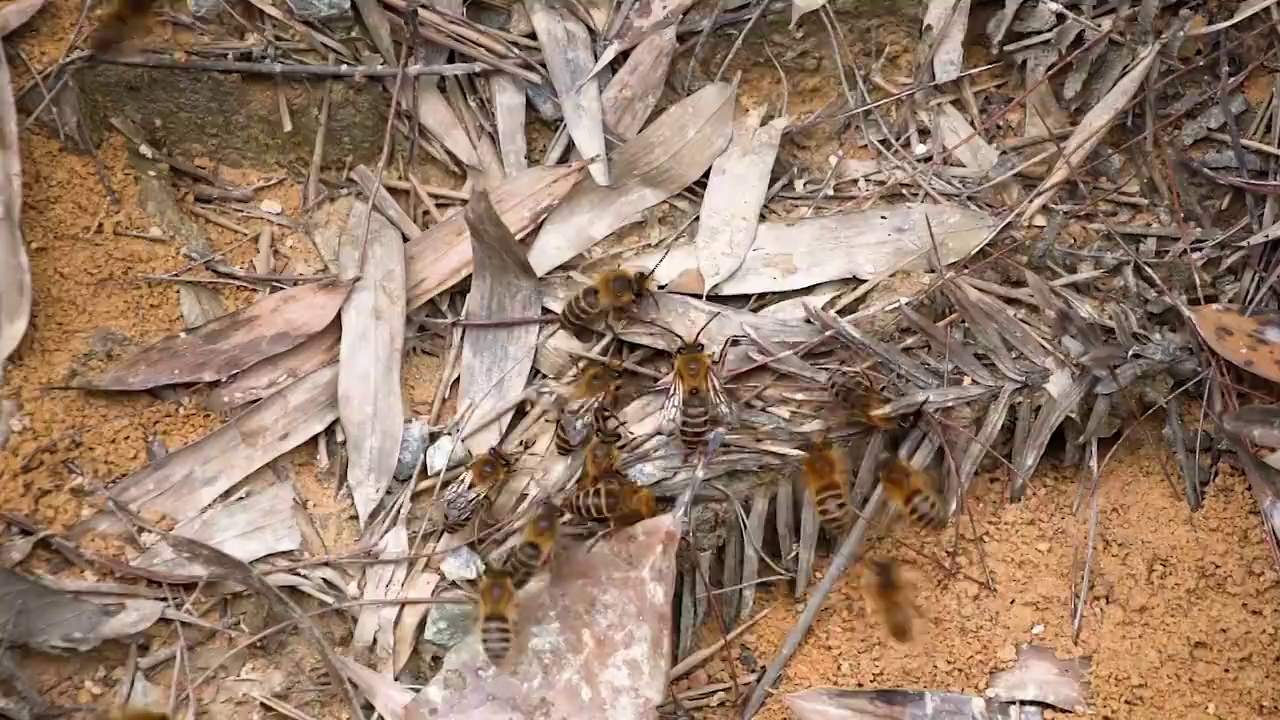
[165,62]
[702,655]
[849,552]
[312,191]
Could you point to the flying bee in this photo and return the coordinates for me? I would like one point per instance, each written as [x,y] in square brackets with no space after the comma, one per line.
[614,500]
[697,401]
[125,19]
[859,400]
[915,492]
[826,474]
[596,387]
[540,535]
[497,615]
[886,591]
[472,490]
[612,292]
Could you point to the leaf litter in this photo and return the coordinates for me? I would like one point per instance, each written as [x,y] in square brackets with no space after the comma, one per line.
[980,362]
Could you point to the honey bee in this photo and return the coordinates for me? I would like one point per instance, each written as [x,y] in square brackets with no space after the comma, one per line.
[888,594]
[540,535]
[471,491]
[913,491]
[612,292]
[497,615]
[596,387]
[125,18]
[602,457]
[696,401]
[859,399]
[615,500]
[826,474]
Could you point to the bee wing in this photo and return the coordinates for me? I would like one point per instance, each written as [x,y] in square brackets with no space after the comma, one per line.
[721,405]
[669,419]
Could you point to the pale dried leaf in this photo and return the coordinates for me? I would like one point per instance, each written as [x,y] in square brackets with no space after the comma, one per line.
[15,551]
[231,343]
[647,17]
[839,704]
[14,14]
[419,585]
[567,53]
[268,376]
[671,153]
[594,639]
[378,581]
[15,268]
[386,695]
[735,193]
[800,7]
[439,258]
[1039,676]
[36,616]
[509,118]
[370,402]
[199,304]
[495,360]
[633,92]
[794,254]
[948,59]
[437,117]
[184,482]
[958,138]
[1091,127]
[259,525]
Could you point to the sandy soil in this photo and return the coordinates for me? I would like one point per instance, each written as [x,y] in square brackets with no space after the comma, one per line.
[1181,622]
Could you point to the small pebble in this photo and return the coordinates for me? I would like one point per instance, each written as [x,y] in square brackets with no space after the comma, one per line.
[272,207]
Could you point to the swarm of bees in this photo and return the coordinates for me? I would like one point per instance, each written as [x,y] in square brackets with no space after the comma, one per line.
[696,406]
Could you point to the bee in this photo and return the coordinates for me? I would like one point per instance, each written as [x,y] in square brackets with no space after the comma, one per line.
[885,590]
[471,491]
[913,491]
[826,474]
[859,399]
[696,401]
[497,615]
[596,387]
[612,292]
[540,535]
[602,458]
[614,500]
[126,18]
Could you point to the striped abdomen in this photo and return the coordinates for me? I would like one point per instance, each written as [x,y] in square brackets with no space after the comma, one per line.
[580,311]
[695,420]
[925,509]
[598,502]
[524,563]
[834,509]
[497,635]
[565,444]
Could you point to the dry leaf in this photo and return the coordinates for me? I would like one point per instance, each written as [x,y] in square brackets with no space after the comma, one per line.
[593,639]
[1259,424]
[184,482]
[439,258]
[958,138]
[633,92]
[45,619]
[671,153]
[199,305]
[567,53]
[839,704]
[386,695]
[381,582]
[370,402]
[1249,341]
[268,376]
[420,585]
[735,193]
[1091,127]
[794,254]
[495,360]
[14,13]
[647,17]
[800,7]
[260,525]
[1040,676]
[508,118]
[231,343]
[15,270]
[948,58]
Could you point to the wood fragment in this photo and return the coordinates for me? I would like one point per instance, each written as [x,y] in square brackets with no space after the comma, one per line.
[15,269]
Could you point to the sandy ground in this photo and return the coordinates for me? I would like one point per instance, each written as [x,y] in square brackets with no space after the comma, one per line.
[1180,623]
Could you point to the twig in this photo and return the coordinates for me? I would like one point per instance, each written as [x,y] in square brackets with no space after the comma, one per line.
[701,656]
[312,191]
[166,62]
[848,553]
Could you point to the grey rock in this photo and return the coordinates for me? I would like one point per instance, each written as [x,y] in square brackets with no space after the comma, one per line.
[461,563]
[413,443]
[447,625]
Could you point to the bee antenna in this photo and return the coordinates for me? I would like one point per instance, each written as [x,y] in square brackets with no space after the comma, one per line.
[661,327]
[717,314]
[662,257]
